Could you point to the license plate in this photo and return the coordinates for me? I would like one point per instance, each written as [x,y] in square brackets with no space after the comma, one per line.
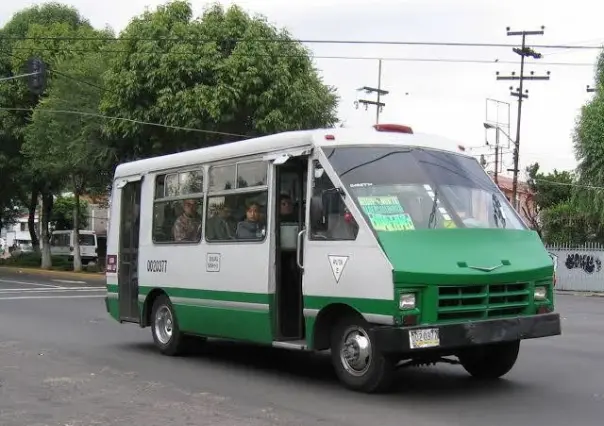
[424,338]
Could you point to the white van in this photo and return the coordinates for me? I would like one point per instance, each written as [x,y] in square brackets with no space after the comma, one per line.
[62,243]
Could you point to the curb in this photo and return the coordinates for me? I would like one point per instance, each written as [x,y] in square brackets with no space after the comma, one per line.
[579,293]
[47,272]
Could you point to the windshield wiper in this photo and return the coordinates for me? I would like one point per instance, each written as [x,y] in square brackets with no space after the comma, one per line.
[497,212]
[432,220]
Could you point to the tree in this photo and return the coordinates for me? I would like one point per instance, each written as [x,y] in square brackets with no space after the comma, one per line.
[560,218]
[62,213]
[16,46]
[71,145]
[225,72]
[589,149]
[17,183]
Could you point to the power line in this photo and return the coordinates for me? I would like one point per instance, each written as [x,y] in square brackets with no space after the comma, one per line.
[551,182]
[302,41]
[131,120]
[336,57]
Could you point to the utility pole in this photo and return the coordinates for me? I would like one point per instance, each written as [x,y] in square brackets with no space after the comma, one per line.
[521,94]
[498,150]
[378,104]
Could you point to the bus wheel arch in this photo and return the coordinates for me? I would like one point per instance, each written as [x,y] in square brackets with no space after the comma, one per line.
[327,319]
[148,306]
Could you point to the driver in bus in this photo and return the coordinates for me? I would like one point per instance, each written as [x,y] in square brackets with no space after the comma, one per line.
[187,226]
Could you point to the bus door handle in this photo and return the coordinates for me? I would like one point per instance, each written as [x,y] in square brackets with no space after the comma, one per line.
[299,248]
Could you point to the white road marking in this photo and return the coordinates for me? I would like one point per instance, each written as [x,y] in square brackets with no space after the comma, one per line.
[51,290]
[90,296]
[29,283]
[70,282]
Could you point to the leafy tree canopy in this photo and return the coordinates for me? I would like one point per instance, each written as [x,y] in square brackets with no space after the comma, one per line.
[224,72]
[62,213]
[589,149]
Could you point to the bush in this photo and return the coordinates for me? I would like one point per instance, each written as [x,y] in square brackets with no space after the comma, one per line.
[34,260]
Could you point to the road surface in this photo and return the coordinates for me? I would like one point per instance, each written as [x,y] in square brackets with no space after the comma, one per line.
[63,361]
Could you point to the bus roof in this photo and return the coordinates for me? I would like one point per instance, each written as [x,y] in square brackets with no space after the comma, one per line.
[287,140]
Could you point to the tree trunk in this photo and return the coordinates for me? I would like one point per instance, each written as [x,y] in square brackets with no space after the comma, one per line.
[31,220]
[77,258]
[47,202]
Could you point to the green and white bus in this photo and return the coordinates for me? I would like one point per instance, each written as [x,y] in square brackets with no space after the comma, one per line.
[383,246]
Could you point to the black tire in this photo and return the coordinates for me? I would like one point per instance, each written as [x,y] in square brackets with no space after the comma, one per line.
[175,344]
[489,362]
[378,374]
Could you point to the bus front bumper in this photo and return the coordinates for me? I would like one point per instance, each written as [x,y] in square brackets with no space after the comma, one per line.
[451,336]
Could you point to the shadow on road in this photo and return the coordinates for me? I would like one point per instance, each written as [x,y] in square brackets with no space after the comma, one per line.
[451,382]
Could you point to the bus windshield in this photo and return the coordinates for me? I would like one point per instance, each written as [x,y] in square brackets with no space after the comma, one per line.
[404,188]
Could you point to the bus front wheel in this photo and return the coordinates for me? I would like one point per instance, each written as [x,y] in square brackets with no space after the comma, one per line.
[490,361]
[166,333]
[358,363]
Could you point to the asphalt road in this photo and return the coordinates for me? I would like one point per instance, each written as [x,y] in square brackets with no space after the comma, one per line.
[63,361]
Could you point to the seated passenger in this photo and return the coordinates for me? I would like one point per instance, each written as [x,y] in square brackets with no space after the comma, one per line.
[221,226]
[187,226]
[251,227]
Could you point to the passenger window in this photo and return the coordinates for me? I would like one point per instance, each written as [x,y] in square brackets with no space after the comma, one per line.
[251,174]
[338,224]
[222,178]
[237,217]
[178,207]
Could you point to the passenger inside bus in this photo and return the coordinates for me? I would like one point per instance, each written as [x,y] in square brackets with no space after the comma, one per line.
[252,227]
[187,226]
[286,209]
[222,225]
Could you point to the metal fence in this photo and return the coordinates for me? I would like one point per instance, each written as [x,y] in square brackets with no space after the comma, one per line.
[580,267]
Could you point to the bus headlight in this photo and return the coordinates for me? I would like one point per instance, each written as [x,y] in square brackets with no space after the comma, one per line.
[406,301]
[540,293]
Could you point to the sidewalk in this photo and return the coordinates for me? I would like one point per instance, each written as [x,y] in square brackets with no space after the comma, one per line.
[579,293]
[98,276]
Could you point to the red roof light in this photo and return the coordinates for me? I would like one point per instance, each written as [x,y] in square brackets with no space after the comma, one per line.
[398,128]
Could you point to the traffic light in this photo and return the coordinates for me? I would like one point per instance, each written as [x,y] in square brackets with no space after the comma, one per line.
[36,81]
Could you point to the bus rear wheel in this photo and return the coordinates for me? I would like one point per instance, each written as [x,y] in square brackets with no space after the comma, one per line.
[358,363]
[166,334]
[489,362]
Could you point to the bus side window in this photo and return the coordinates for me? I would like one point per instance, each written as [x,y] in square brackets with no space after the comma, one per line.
[178,207]
[341,225]
[237,202]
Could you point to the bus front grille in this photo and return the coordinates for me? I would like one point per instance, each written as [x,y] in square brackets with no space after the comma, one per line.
[476,302]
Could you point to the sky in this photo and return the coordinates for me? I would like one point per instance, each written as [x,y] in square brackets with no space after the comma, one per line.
[445,98]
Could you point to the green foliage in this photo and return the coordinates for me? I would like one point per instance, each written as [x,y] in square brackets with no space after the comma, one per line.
[19,182]
[561,218]
[63,144]
[62,213]
[200,73]
[589,149]
[550,189]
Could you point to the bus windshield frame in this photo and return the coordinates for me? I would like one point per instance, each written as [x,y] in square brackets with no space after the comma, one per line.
[398,188]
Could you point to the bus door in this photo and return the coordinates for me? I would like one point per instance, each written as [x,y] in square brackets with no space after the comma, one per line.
[289,211]
[128,251]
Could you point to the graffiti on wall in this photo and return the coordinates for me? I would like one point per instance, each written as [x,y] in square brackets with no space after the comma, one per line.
[589,263]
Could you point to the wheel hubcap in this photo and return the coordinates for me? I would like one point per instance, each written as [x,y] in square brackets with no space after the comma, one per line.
[355,352]
[163,324]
